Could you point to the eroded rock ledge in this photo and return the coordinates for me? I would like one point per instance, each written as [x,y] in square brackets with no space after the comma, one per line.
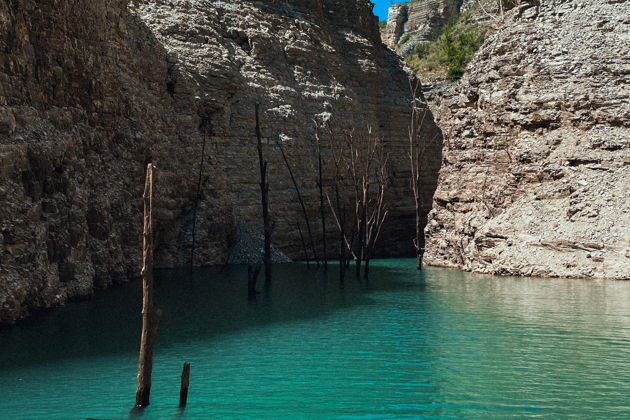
[536,175]
[90,91]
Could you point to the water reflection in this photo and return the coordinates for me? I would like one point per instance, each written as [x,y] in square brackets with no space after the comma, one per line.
[439,343]
[209,302]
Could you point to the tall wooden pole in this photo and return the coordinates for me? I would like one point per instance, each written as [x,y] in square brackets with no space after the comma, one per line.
[150,316]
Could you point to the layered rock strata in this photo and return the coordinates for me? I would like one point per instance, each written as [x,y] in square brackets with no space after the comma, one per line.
[418,21]
[91,91]
[410,23]
[536,175]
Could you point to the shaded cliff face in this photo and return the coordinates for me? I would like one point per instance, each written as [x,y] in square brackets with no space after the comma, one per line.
[92,91]
[536,168]
[82,86]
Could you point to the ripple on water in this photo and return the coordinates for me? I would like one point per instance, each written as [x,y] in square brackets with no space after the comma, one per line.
[436,344]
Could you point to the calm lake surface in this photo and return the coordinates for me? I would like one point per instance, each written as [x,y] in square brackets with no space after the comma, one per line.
[436,344]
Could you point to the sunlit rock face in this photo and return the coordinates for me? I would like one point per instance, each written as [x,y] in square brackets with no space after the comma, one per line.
[417,21]
[91,91]
[411,23]
[536,168]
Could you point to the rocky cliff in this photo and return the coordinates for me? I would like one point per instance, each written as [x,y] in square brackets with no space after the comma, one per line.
[90,91]
[536,174]
[418,21]
[413,22]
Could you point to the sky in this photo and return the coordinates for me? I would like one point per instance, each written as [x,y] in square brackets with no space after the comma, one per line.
[380,7]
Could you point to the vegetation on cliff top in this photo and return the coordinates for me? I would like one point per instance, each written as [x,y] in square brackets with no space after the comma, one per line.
[449,50]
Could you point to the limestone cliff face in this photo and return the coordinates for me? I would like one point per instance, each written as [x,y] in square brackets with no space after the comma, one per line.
[536,175]
[410,23]
[417,21]
[91,91]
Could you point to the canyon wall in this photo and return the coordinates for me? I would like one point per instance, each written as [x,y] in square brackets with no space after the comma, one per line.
[91,91]
[417,21]
[411,23]
[536,174]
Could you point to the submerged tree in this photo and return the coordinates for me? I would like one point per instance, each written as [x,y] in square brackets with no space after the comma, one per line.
[252,276]
[298,193]
[336,205]
[264,193]
[204,128]
[417,150]
[362,164]
[368,168]
[320,187]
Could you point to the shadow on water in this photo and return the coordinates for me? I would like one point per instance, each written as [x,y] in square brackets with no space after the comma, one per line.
[208,302]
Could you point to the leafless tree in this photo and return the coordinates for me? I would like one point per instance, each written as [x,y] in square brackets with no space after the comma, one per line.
[367,165]
[264,193]
[204,128]
[417,149]
[306,257]
[320,186]
[362,164]
[298,192]
[337,207]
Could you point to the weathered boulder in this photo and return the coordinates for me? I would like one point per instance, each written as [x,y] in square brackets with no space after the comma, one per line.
[536,168]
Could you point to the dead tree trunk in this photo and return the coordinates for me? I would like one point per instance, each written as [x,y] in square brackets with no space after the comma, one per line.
[150,316]
[264,192]
[361,245]
[252,278]
[198,195]
[337,209]
[378,203]
[308,261]
[320,185]
[353,234]
[183,390]
[342,238]
[301,201]
[416,153]
[419,241]
[367,165]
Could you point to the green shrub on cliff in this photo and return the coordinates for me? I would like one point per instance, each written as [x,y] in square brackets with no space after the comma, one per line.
[448,52]
[382,24]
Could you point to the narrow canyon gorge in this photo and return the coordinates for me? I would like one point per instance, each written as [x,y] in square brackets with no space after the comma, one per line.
[526,162]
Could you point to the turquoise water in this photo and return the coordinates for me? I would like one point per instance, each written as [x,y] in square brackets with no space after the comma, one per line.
[437,344]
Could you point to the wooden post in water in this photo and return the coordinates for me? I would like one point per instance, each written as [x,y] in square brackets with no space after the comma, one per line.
[183,391]
[150,316]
